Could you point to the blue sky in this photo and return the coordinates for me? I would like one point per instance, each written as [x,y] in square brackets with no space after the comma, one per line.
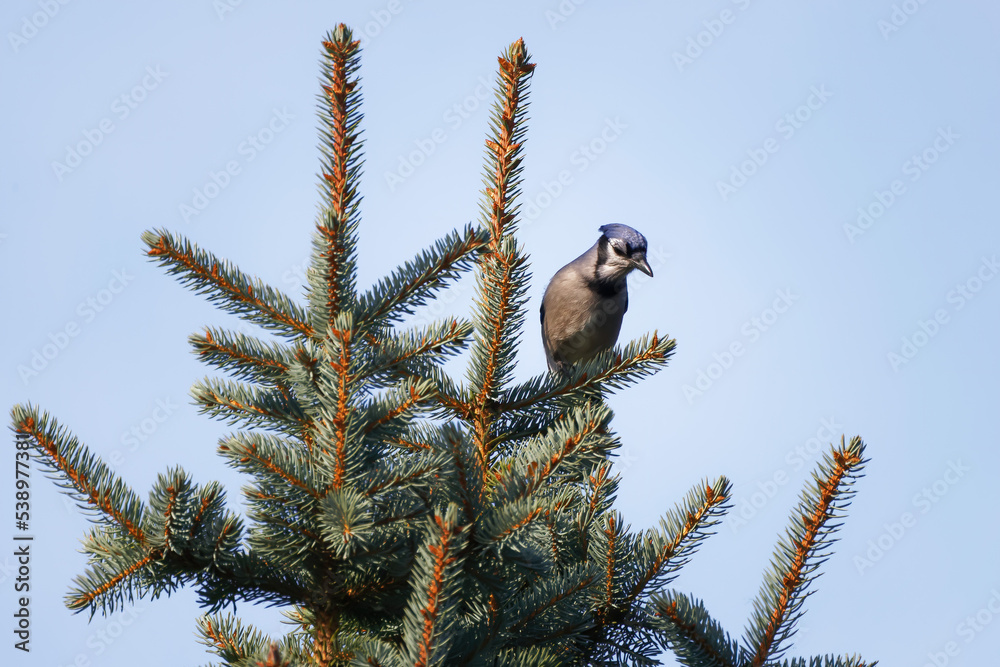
[816,183]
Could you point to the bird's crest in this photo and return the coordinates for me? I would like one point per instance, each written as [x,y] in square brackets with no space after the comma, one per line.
[633,239]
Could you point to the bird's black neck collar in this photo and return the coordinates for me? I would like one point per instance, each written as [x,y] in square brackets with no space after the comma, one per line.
[606,287]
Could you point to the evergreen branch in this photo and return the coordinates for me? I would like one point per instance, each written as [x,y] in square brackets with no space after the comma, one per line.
[612,536]
[346,520]
[692,634]
[255,579]
[601,490]
[410,285]
[408,353]
[801,550]
[408,443]
[503,283]
[170,511]
[265,455]
[226,286]
[553,594]
[429,613]
[376,652]
[612,368]
[419,437]
[237,402]
[94,588]
[504,148]
[82,475]
[332,271]
[682,532]
[190,536]
[829,661]
[337,377]
[245,357]
[396,473]
[503,272]
[231,639]
[450,395]
[531,656]
[467,473]
[583,435]
[283,539]
[398,407]
[503,523]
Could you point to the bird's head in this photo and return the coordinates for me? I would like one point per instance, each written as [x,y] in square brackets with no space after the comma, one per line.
[624,249]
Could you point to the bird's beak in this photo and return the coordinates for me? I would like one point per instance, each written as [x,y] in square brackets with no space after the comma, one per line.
[643,266]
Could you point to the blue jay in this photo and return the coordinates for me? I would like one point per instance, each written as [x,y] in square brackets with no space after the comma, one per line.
[585,301]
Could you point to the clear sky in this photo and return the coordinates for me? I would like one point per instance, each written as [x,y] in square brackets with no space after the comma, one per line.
[816,180]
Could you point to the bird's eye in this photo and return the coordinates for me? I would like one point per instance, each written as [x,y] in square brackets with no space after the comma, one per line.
[620,250]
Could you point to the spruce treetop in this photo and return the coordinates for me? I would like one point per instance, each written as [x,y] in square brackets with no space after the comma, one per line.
[398,515]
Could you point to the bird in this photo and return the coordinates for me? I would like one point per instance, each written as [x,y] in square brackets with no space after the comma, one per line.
[583,305]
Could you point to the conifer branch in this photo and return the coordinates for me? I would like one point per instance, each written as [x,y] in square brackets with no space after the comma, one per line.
[403,400]
[407,354]
[468,475]
[502,274]
[828,661]
[245,357]
[332,269]
[682,531]
[801,550]
[82,475]
[410,285]
[428,619]
[337,377]
[598,497]
[230,638]
[692,634]
[95,587]
[583,432]
[613,534]
[264,455]
[226,286]
[560,592]
[237,402]
[614,369]
[532,406]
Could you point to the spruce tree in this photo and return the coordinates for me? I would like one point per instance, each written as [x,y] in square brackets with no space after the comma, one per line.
[400,516]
